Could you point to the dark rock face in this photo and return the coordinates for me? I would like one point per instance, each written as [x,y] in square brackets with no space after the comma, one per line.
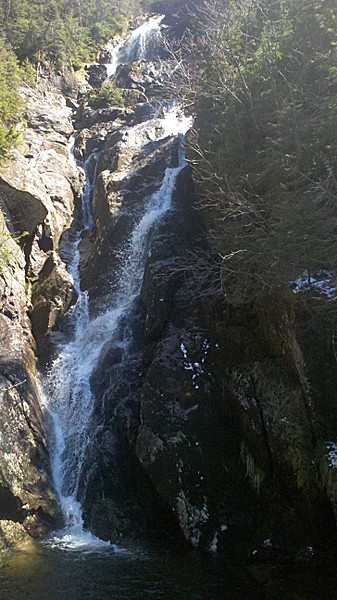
[96,75]
[52,296]
[148,79]
[125,501]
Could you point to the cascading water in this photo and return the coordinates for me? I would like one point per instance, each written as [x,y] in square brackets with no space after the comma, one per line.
[141,44]
[69,398]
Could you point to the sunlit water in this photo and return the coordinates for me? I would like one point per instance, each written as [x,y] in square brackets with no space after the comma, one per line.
[141,44]
[67,394]
[68,397]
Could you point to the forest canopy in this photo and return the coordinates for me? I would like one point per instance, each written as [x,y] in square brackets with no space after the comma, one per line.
[61,31]
[265,154]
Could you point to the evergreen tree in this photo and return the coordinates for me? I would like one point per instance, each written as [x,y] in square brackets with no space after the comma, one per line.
[59,33]
[266,115]
[10,100]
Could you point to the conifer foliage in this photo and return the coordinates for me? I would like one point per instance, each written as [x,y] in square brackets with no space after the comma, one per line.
[10,100]
[61,31]
[266,152]
[57,34]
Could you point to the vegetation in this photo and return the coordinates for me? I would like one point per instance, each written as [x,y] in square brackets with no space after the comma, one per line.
[108,95]
[63,32]
[57,34]
[10,100]
[266,113]
[5,237]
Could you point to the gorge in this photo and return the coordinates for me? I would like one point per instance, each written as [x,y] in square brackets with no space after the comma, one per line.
[160,415]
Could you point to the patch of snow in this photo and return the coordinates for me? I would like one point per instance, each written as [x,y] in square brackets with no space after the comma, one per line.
[204,511]
[323,281]
[332,454]
[192,409]
[214,543]
[196,366]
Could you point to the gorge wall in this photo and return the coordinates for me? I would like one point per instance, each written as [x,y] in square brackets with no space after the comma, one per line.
[212,427]
[37,190]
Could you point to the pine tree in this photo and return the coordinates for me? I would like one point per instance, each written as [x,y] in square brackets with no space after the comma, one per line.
[266,116]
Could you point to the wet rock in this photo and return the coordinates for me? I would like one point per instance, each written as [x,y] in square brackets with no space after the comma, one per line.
[148,445]
[26,494]
[52,296]
[143,78]
[131,76]
[13,534]
[96,75]
[88,117]
[125,179]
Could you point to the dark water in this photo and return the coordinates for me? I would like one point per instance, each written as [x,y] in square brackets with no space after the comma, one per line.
[41,573]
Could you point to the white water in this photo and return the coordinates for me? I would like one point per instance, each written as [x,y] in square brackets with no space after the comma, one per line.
[139,45]
[172,123]
[69,399]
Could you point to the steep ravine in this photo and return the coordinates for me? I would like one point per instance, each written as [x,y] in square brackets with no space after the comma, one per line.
[208,422]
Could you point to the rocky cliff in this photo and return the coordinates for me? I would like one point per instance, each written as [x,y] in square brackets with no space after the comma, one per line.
[38,190]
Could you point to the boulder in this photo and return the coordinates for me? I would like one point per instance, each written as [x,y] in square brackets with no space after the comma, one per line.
[96,75]
[52,295]
[46,110]
[13,535]
[24,195]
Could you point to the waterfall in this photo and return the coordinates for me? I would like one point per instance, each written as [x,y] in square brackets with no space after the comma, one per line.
[141,44]
[69,399]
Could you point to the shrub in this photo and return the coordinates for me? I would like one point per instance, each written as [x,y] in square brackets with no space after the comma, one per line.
[108,95]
